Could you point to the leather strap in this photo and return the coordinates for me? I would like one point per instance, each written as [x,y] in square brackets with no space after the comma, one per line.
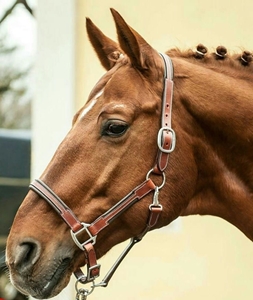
[166,144]
[57,204]
[154,215]
[166,136]
[136,194]
[101,222]
[93,269]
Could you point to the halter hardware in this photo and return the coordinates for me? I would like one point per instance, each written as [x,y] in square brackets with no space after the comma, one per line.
[92,239]
[167,130]
[166,141]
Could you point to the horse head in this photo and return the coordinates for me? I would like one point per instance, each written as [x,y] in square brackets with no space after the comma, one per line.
[105,176]
[108,151]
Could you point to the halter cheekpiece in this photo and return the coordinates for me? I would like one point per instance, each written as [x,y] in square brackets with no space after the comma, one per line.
[166,140]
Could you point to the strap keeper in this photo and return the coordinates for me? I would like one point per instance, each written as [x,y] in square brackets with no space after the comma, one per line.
[155,210]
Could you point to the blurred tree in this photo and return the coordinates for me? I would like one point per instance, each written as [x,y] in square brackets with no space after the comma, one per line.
[15,103]
[9,11]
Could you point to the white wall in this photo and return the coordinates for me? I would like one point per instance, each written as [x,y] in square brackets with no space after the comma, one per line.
[53,106]
[54,103]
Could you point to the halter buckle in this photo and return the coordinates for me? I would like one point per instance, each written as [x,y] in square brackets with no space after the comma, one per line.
[160,139]
[91,277]
[74,235]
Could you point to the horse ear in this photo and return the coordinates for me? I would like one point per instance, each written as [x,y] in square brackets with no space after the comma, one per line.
[137,49]
[107,50]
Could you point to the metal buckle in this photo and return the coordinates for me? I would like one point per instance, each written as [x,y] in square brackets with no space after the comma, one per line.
[92,239]
[89,271]
[83,279]
[159,139]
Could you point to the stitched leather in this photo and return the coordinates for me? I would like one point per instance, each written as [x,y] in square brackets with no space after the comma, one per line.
[93,268]
[162,157]
[135,195]
[154,215]
[59,206]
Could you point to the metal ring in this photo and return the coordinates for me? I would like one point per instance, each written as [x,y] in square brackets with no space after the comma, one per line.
[88,292]
[164,178]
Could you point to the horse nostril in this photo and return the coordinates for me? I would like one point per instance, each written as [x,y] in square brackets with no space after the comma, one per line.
[27,253]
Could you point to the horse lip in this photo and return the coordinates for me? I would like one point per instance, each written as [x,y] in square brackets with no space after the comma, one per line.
[55,278]
[52,282]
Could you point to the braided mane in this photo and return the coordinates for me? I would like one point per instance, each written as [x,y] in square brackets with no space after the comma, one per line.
[242,63]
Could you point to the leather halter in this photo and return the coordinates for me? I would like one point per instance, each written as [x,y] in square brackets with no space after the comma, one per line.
[166,140]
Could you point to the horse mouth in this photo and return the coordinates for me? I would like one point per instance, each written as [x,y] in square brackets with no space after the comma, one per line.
[54,280]
[50,286]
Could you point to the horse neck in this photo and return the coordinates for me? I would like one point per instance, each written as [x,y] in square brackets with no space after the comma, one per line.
[217,119]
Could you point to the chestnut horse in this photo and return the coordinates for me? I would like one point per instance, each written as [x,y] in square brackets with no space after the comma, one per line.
[113,144]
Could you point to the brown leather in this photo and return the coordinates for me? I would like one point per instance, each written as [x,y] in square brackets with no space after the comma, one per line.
[162,159]
[59,206]
[93,268]
[91,261]
[154,215]
[100,223]
[135,195]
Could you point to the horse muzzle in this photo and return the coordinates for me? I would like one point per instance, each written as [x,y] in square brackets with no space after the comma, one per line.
[35,275]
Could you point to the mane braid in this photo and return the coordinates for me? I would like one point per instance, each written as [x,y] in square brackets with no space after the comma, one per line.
[236,65]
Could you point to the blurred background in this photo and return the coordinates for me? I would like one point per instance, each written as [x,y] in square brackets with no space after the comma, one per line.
[47,69]
[18,31]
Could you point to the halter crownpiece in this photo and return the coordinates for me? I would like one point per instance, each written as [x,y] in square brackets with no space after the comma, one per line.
[166,141]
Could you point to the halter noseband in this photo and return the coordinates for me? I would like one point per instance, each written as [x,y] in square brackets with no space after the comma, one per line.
[166,140]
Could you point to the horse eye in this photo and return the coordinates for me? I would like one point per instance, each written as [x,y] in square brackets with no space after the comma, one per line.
[114,128]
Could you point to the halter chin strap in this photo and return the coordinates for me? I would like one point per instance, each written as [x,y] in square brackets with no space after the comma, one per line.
[166,140]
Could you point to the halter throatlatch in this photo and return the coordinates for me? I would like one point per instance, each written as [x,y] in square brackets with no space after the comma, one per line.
[166,140]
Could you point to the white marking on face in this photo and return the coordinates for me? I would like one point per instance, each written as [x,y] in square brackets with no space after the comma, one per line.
[90,105]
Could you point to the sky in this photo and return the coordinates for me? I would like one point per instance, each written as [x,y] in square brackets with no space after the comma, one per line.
[19,28]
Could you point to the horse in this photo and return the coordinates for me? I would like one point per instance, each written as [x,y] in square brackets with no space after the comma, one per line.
[131,163]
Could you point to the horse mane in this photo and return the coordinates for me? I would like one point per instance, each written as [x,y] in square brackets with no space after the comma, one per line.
[239,65]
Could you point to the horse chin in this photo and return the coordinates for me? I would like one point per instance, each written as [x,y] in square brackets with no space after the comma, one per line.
[47,284]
